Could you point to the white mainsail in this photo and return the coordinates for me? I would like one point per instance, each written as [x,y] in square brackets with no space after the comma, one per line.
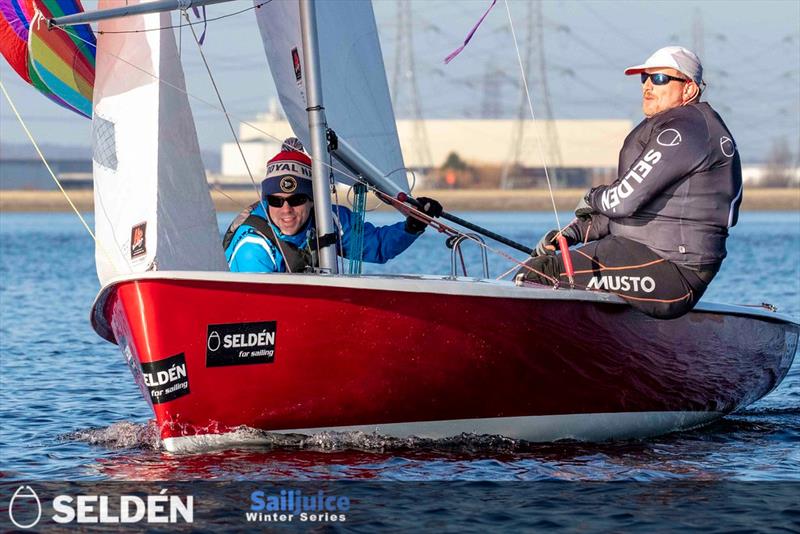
[355,92]
[153,210]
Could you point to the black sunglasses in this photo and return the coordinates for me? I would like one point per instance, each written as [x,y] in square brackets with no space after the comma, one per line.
[293,200]
[659,78]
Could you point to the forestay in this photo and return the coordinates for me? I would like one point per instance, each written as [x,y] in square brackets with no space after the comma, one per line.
[355,92]
[153,210]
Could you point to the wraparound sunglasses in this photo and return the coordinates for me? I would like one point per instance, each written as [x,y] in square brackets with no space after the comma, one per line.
[293,200]
[659,78]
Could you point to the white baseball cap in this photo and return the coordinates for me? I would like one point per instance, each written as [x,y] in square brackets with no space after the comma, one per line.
[674,57]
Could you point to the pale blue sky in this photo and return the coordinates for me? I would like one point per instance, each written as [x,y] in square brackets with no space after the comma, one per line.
[751,52]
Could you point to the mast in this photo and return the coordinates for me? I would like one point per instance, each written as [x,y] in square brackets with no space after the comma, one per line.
[317,129]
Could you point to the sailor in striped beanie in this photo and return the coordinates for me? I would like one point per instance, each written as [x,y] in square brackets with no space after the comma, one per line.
[288,172]
[277,233]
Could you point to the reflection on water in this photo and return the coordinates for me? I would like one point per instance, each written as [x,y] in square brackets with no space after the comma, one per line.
[719,451]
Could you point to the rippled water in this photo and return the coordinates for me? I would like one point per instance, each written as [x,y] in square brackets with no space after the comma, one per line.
[70,409]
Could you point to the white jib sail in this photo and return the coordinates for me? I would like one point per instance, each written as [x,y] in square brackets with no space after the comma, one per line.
[354,88]
[153,209]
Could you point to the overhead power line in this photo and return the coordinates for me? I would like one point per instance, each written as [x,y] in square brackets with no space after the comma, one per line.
[404,78]
[552,149]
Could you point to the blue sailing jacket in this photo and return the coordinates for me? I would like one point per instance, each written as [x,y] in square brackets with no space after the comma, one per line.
[250,252]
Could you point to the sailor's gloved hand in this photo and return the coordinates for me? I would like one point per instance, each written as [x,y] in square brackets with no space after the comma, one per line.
[583,210]
[539,269]
[429,207]
[547,244]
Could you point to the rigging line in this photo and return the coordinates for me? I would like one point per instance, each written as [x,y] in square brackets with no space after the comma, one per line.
[533,117]
[342,171]
[463,263]
[337,224]
[236,138]
[190,22]
[408,209]
[507,272]
[224,109]
[53,175]
[221,109]
[229,116]
[222,192]
[449,230]
[180,42]
[214,106]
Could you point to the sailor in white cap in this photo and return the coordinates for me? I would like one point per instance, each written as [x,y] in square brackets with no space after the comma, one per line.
[656,235]
[671,77]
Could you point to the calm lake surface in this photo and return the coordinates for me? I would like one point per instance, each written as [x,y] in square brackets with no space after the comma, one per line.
[70,410]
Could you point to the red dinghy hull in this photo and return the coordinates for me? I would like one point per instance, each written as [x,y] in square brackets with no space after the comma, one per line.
[430,357]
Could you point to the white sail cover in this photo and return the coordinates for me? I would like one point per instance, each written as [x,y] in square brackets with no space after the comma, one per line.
[153,209]
[354,88]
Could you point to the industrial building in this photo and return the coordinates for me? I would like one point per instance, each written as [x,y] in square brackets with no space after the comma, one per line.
[494,152]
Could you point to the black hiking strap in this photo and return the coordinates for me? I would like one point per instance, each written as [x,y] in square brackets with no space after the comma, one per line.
[296,259]
[235,224]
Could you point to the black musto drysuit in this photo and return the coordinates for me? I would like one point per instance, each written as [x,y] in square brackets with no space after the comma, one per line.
[657,234]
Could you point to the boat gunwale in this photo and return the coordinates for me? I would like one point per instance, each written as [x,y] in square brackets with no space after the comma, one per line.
[445,285]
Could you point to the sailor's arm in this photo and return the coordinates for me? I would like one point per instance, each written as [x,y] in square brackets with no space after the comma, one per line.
[676,148]
[381,243]
[581,230]
[586,229]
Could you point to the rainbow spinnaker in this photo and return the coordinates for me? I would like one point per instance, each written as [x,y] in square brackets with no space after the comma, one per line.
[59,62]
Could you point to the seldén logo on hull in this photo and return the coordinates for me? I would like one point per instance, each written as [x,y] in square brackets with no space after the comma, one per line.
[166,379]
[240,343]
